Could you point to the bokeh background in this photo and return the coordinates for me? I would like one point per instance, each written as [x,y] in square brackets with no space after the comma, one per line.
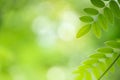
[37,39]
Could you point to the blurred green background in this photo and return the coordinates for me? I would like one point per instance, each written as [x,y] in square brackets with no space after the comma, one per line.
[37,39]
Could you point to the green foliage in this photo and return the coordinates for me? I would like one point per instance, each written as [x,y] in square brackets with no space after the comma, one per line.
[113,44]
[106,0]
[86,19]
[102,22]
[84,30]
[119,1]
[105,50]
[108,14]
[96,29]
[91,11]
[99,63]
[115,8]
[98,3]
[102,17]
[103,60]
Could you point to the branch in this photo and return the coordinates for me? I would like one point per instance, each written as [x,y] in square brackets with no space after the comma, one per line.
[109,67]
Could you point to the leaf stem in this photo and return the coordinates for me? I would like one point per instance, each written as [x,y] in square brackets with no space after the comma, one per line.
[109,67]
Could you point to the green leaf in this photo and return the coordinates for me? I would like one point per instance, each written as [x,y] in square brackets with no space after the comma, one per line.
[108,14]
[109,55]
[119,1]
[102,66]
[84,30]
[83,67]
[115,8]
[115,55]
[80,77]
[90,61]
[98,3]
[96,29]
[113,44]
[96,72]
[97,55]
[105,50]
[108,61]
[112,69]
[79,71]
[118,62]
[88,76]
[91,11]
[102,22]
[86,19]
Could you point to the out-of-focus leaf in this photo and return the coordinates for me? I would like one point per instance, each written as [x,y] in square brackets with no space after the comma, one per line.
[83,67]
[113,44]
[105,50]
[112,69]
[102,66]
[98,3]
[102,22]
[96,72]
[109,55]
[1,17]
[80,77]
[115,8]
[108,61]
[118,62]
[91,11]
[86,19]
[88,76]
[97,55]
[115,55]
[108,14]
[90,61]
[84,30]
[119,1]
[81,70]
[96,29]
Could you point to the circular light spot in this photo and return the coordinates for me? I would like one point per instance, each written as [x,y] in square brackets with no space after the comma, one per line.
[67,30]
[44,28]
[56,73]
